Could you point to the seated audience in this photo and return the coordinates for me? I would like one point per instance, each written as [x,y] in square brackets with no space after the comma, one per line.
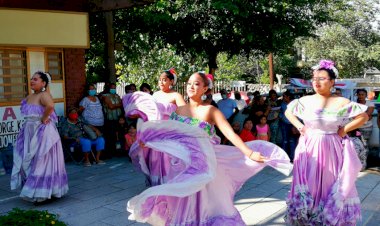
[73,131]
[246,133]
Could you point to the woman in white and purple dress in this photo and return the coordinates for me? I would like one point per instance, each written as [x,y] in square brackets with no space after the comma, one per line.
[156,107]
[201,176]
[326,165]
[38,162]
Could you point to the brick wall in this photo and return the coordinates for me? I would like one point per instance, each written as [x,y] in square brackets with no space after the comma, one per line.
[75,76]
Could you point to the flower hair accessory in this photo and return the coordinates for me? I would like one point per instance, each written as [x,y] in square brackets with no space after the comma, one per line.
[48,76]
[326,64]
[174,73]
[210,78]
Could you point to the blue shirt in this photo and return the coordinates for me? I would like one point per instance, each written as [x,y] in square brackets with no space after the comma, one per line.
[282,116]
[227,106]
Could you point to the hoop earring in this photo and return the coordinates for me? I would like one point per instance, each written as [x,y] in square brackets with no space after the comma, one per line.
[43,89]
[170,87]
[203,97]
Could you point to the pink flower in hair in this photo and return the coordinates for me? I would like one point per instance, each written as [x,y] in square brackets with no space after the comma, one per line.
[326,64]
[210,78]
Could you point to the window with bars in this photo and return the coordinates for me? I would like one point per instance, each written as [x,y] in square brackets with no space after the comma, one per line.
[13,75]
[54,65]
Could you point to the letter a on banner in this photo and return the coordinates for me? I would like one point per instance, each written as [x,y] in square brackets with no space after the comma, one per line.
[9,113]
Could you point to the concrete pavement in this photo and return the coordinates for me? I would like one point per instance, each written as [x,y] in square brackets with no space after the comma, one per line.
[98,196]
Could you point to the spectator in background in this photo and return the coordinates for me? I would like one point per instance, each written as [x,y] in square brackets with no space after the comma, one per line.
[262,129]
[229,109]
[113,109]
[289,141]
[145,87]
[227,106]
[91,108]
[131,88]
[273,119]
[338,92]
[366,129]
[241,105]
[130,136]
[250,98]
[73,132]
[246,133]
[121,130]
[258,109]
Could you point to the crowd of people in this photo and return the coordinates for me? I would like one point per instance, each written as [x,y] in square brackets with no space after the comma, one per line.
[194,152]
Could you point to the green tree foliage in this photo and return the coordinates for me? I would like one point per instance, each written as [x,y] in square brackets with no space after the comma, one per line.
[351,40]
[207,27]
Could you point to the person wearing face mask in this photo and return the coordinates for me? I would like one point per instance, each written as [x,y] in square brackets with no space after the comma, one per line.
[91,108]
[113,109]
[73,134]
[229,109]
[227,106]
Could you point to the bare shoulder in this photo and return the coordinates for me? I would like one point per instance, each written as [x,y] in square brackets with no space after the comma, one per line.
[344,100]
[181,110]
[46,97]
[305,99]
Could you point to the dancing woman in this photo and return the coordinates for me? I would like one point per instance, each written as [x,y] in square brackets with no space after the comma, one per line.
[325,164]
[38,162]
[165,95]
[202,176]
[156,107]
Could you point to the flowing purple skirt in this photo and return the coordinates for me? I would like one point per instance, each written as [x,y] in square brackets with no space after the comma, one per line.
[38,162]
[323,190]
[200,178]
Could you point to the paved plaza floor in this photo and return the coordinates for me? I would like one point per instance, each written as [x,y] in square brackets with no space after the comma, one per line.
[98,196]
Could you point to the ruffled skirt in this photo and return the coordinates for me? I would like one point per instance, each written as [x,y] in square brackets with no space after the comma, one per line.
[38,163]
[323,190]
[200,179]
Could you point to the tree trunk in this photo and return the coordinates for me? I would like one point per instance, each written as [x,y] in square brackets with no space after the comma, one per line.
[110,47]
[271,71]
[212,65]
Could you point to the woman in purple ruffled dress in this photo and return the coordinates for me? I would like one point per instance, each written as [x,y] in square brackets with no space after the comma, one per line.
[156,107]
[326,165]
[38,162]
[166,96]
[202,176]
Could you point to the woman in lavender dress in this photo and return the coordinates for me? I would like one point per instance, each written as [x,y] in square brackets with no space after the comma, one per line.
[167,96]
[38,162]
[202,176]
[156,107]
[325,164]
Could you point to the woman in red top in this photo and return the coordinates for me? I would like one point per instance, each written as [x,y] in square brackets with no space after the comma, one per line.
[246,133]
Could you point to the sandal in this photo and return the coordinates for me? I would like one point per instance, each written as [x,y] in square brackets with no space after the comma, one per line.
[100,162]
[87,164]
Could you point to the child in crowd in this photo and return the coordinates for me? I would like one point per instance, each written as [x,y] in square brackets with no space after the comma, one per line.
[121,130]
[262,129]
[246,133]
[130,136]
